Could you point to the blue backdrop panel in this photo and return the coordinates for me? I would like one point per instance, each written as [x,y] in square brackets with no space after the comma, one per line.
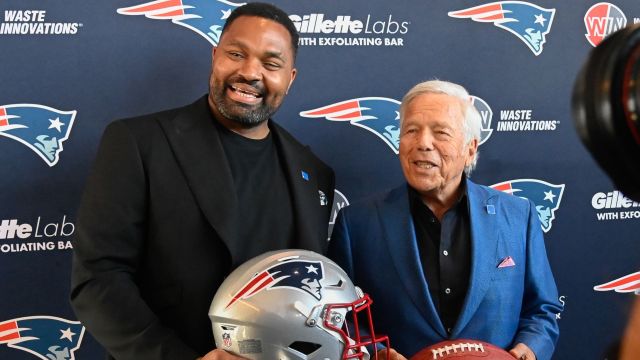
[70,67]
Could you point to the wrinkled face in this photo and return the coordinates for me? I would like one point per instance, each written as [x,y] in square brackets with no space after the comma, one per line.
[433,152]
[252,70]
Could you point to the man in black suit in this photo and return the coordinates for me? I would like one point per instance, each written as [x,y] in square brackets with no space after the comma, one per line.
[177,199]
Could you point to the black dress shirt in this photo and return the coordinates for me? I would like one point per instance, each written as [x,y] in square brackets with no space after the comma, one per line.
[445,252]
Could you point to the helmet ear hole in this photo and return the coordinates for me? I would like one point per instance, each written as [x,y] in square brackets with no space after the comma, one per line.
[337,285]
[304,347]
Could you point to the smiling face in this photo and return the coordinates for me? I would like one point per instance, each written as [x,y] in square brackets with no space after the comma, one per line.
[433,152]
[252,71]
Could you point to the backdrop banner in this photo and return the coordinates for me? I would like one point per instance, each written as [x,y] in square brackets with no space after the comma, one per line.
[70,67]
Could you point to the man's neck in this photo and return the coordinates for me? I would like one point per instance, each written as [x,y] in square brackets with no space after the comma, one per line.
[440,201]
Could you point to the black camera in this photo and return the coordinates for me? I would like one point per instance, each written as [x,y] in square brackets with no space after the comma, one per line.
[606,107]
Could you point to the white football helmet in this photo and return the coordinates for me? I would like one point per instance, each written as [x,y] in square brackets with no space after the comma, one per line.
[293,304]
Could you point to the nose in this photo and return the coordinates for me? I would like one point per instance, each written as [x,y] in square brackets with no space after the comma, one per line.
[251,69]
[425,140]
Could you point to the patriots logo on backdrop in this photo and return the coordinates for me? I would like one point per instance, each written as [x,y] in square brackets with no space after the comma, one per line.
[545,196]
[529,22]
[47,337]
[206,17]
[486,115]
[301,275]
[625,284]
[41,128]
[601,20]
[378,115]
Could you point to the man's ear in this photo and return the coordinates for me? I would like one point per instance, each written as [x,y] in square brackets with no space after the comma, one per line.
[472,148]
[294,71]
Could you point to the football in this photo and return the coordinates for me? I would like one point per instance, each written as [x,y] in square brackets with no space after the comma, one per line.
[462,349]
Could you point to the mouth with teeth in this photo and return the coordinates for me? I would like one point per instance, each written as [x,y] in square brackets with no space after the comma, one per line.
[244,94]
[424,164]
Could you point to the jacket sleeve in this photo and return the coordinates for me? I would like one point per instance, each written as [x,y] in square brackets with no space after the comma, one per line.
[538,327]
[107,249]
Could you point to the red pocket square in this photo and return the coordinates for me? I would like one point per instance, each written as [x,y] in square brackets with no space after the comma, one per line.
[507,262]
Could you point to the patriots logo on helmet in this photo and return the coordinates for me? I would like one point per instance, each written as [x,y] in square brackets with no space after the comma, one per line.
[378,115]
[301,275]
[601,20]
[41,128]
[625,284]
[206,17]
[486,115]
[545,196]
[47,337]
[529,22]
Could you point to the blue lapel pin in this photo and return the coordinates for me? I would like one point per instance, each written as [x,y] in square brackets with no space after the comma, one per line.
[491,210]
[304,174]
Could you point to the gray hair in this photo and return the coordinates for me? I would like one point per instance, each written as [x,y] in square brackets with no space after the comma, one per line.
[472,121]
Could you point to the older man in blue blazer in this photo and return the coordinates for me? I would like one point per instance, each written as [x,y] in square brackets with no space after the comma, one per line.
[442,257]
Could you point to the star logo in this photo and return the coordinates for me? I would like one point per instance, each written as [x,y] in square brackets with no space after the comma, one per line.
[56,124]
[549,195]
[67,334]
[540,20]
[311,269]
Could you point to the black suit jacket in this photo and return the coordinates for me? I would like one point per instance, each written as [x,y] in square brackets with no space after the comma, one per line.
[155,233]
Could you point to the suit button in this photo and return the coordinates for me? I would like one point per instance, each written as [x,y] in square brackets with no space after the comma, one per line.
[445,253]
[447,291]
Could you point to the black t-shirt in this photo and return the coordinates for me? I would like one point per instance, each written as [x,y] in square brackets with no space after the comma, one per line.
[265,218]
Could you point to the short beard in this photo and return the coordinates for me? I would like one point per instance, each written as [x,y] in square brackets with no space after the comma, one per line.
[247,118]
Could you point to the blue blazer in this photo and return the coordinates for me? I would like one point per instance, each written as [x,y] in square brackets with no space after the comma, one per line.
[375,243]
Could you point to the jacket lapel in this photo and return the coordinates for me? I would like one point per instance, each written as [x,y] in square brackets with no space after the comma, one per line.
[399,230]
[303,185]
[483,213]
[196,144]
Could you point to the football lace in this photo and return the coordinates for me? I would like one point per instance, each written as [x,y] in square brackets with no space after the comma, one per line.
[454,348]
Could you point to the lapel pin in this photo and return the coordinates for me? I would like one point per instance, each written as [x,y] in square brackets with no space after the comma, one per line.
[304,174]
[491,210]
[323,198]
